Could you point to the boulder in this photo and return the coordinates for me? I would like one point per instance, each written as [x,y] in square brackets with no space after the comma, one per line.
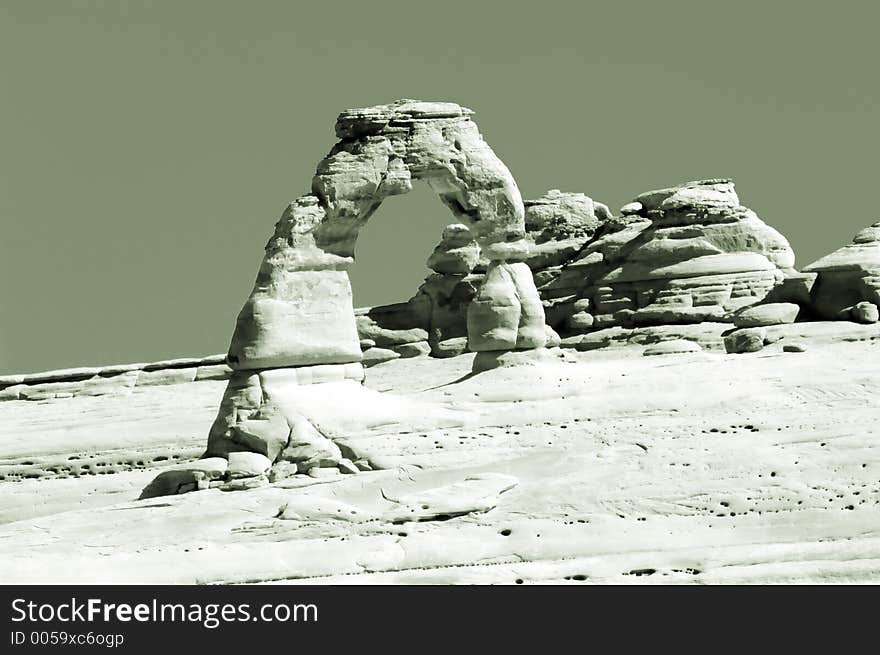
[415,349]
[347,466]
[557,225]
[384,337]
[865,312]
[553,339]
[766,314]
[507,312]
[457,252]
[247,464]
[745,340]
[449,347]
[375,356]
[282,470]
[685,254]
[579,322]
[214,468]
[672,347]
[308,447]
[631,208]
[179,481]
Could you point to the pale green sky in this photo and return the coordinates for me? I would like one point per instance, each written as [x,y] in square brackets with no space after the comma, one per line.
[149,147]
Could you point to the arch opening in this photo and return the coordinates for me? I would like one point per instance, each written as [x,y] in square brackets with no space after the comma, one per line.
[393,246]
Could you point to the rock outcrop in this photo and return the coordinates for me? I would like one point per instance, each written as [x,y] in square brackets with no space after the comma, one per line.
[557,226]
[847,277]
[685,254]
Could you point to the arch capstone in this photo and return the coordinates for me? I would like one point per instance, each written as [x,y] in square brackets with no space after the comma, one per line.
[300,310]
[298,324]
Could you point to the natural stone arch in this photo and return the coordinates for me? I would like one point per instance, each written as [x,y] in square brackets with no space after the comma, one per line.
[300,311]
[297,328]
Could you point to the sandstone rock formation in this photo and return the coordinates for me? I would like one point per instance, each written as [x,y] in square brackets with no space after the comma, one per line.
[848,276]
[506,313]
[508,276]
[300,312]
[557,226]
[684,254]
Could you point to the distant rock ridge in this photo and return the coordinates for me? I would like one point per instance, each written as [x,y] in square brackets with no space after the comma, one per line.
[117,379]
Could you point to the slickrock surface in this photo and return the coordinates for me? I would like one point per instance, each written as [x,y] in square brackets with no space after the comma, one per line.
[599,466]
